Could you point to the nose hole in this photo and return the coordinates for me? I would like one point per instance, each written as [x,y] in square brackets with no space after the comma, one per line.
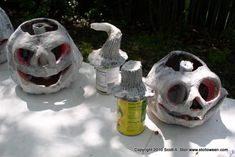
[43,61]
[196,105]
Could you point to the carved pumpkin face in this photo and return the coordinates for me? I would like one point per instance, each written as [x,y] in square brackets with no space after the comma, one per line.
[6,29]
[188,93]
[42,56]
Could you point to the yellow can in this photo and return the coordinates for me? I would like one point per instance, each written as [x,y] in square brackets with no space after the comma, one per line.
[131,116]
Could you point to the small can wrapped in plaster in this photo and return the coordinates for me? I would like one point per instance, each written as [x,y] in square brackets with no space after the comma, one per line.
[131,96]
[108,59]
[42,56]
[6,29]
[187,92]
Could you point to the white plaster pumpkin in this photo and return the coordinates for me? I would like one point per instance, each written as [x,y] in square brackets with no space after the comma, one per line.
[6,29]
[42,56]
[187,92]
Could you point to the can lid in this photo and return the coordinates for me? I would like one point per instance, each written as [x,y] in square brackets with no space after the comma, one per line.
[132,86]
[109,55]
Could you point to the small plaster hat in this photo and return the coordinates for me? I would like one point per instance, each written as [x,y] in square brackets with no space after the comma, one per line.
[109,55]
[132,86]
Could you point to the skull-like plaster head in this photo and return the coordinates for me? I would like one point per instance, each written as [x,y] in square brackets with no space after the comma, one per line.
[187,92]
[42,56]
[6,29]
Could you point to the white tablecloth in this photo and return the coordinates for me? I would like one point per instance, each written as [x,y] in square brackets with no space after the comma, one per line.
[79,122]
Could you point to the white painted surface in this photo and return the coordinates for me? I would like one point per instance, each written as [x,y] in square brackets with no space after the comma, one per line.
[79,122]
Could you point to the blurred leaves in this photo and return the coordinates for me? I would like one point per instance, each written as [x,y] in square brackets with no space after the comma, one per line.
[150,28]
[217,56]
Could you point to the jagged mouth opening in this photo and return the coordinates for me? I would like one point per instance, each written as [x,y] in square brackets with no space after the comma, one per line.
[43,81]
[179,115]
[186,116]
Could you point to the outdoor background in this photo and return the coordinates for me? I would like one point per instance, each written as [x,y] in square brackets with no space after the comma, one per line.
[151,28]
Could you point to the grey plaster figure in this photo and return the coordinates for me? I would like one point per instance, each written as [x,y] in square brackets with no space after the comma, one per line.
[108,59]
[42,56]
[132,87]
[6,29]
[187,92]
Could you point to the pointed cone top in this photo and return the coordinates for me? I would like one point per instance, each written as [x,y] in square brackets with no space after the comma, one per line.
[109,55]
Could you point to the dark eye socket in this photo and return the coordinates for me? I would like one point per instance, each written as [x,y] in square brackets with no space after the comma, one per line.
[24,55]
[177,94]
[209,89]
[3,41]
[61,51]
[57,52]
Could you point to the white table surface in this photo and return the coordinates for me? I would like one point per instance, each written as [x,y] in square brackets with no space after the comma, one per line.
[79,122]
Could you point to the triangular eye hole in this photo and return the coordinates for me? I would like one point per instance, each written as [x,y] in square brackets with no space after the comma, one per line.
[24,56]
[61,51]
[57,53]
[209,89]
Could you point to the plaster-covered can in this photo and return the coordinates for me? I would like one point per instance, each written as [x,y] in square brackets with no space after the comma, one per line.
[42,56]
[188,93]
[108,59]
[131,96]
[6,29]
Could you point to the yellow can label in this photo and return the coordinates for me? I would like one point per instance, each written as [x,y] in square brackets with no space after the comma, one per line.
[131,116]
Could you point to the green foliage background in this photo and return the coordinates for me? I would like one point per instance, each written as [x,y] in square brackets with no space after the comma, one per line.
[150,28]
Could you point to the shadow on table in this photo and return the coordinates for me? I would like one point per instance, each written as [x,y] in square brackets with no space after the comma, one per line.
[181,137]
[11,143]
[4,74]
[4,82]
[65,98]
[141,143]
[98,136]
[95,139]
[134,145]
